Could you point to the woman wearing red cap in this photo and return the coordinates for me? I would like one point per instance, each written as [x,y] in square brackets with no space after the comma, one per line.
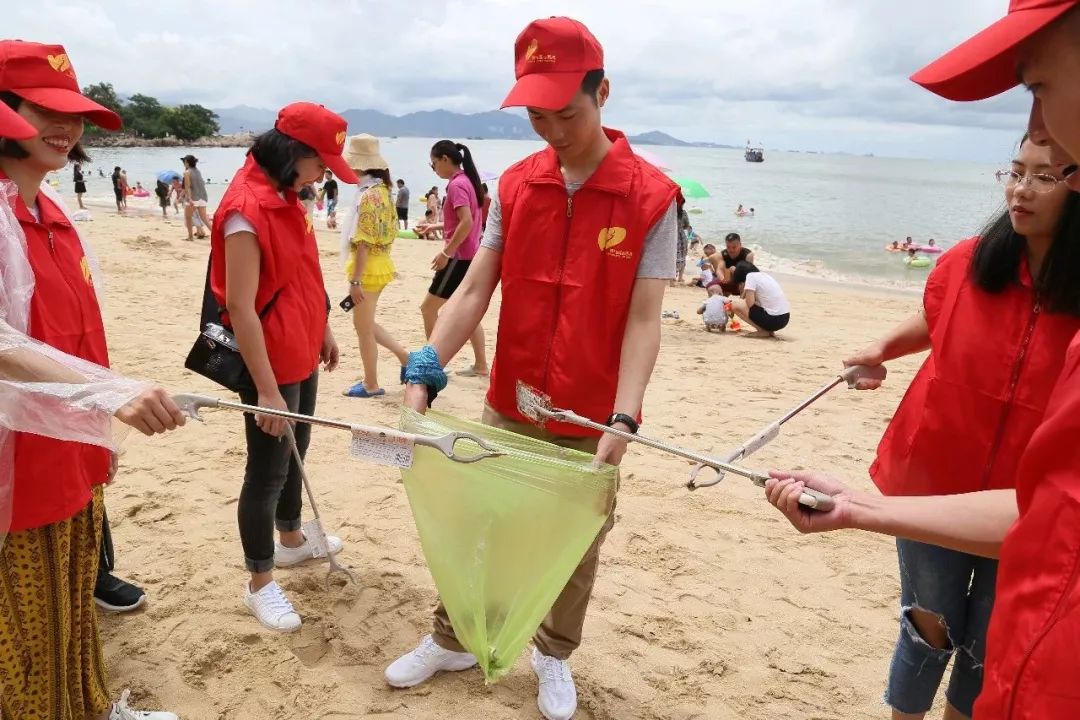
[268,286]
[51,663]
[1032,639]
[1006,303]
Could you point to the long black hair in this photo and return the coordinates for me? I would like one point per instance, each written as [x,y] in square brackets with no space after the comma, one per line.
[995,264]
[277,154]
[460,156]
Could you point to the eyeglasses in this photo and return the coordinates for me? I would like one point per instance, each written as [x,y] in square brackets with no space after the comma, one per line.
[1038,182]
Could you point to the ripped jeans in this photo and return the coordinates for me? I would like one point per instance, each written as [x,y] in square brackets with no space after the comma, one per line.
[960,589]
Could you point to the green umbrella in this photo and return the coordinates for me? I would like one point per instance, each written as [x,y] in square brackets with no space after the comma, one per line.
[691,188]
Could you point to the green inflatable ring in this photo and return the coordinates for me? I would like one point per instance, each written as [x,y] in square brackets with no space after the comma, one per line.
[920,262]
[407,235]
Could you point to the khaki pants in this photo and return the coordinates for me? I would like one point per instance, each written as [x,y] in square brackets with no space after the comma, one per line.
[560,632]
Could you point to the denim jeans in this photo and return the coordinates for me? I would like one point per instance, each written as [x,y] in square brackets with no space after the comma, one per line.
[959,589]
[271,495]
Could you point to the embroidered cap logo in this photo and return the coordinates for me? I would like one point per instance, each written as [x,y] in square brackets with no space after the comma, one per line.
[340,138]
[532,56]
[61,64]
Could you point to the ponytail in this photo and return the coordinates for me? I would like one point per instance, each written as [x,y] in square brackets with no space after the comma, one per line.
[459,155]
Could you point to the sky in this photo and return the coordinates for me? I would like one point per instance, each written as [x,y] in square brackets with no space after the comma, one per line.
[826,75]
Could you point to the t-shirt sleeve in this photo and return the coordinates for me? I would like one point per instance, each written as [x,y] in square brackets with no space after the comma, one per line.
[457,195]
[493,235]
[954,260]
[658,253]
[752,282]
[236,223]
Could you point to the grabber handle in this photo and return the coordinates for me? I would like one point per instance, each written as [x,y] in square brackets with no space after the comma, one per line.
[816,500]
[855,373]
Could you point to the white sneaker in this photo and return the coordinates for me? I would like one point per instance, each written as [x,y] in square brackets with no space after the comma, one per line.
[121,711]
[271,607]
[557,698]
[422,663]
[287,556]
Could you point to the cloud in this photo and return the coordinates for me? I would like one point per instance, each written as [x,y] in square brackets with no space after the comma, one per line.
[828,74]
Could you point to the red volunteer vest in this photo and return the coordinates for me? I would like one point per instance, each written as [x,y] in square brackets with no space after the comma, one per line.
[1034,635]
[54,479]
[973,405]
[568,271]
[295,326]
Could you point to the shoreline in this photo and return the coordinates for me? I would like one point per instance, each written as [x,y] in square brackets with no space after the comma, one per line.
[232,140]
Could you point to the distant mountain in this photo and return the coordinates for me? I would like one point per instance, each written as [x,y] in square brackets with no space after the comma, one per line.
[495,124]
[655,137]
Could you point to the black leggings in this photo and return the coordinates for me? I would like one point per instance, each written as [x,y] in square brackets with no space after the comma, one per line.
[271,496]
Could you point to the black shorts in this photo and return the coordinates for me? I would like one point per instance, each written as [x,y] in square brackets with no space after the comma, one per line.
[769,323]
[403,214]
[446,281]
[119,194]
[80,188]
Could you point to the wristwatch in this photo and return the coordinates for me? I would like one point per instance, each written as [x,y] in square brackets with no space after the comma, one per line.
[625,420]
[354,283]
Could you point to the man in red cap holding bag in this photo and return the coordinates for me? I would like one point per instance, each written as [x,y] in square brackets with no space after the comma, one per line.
[1035,530]
[582,237]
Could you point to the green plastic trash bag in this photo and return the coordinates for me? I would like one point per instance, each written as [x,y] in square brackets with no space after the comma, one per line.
[502,536]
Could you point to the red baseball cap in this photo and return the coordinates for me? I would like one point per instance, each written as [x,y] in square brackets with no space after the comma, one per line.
[43,75]
[321,130]
[985,65]
[551,58]
[13,126]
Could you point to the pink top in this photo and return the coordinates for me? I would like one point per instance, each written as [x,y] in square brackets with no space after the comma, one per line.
[460,193]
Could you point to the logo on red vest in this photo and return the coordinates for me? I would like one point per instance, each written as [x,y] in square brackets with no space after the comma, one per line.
[84,265]
[609,238]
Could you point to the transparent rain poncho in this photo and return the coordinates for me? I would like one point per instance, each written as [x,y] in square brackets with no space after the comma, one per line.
[502,536]
[42,390]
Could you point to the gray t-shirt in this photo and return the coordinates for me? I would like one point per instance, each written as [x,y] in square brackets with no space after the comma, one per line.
[198,187]
[657,255]
[403,197]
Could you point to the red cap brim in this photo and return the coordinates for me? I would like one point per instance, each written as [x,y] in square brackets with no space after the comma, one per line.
[68,101]
[13,126]
[547,91]
[985,65]
[340,168]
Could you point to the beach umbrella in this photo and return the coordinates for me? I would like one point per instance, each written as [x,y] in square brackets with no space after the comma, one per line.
[652,158]
[691,188]
[167,176]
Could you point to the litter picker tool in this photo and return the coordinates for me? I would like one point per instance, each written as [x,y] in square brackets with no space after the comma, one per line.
[379,445]
[770,432]
[536,406]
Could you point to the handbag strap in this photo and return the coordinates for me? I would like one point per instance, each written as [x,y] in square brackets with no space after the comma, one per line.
[212,312]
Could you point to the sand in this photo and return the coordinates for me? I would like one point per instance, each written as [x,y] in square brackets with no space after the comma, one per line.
[708,605]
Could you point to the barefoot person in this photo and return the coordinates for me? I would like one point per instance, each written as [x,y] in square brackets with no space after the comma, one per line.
[580,320]
[1031,641]
[461,227]
[195,197]
[367,237]
[58,442]
[761,301]
[265,274]
[1002,300]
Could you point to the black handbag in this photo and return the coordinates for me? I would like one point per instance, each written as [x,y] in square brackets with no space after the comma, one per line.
[216,354]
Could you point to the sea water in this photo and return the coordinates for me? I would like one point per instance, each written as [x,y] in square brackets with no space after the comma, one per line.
[826,216]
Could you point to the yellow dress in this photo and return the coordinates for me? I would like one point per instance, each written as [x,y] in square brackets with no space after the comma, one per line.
[376,228]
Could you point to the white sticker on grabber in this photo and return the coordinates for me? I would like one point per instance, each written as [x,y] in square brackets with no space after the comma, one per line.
[384,447]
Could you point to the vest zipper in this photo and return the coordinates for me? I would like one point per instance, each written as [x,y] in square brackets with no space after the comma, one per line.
[52,247]
[1047,627]
[558,287]
[1014,380]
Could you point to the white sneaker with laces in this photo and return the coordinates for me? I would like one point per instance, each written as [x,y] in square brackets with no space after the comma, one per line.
[271,607]
[557,698]
[121,711]
[421,664]
[287,556]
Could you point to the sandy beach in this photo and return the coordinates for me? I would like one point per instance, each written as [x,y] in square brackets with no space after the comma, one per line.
[708,605]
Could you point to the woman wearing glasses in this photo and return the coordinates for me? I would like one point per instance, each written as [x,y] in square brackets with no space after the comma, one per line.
[998,313]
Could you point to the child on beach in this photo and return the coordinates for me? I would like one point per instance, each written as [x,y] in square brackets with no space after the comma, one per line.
[713,312]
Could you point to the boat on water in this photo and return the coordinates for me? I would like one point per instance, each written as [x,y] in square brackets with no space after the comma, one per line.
[754,154]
